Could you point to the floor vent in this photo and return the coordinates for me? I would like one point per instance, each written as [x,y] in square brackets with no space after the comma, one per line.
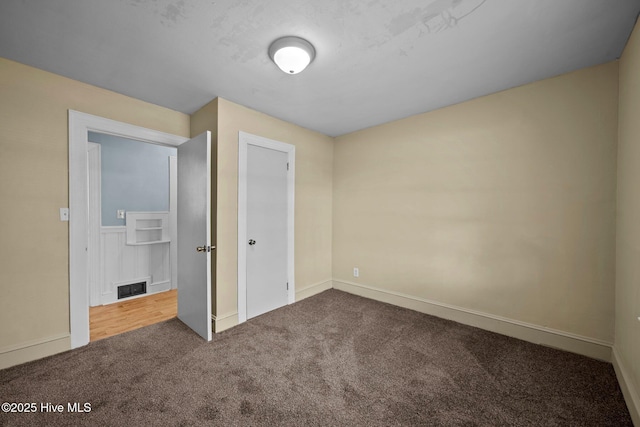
[132,289]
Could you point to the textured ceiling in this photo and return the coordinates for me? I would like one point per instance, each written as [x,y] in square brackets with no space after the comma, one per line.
[376,60]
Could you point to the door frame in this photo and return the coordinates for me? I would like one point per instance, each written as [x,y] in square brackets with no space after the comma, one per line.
[244,140]
[79,126]
[95,212]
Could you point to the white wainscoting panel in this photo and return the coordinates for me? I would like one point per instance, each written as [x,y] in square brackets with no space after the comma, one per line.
[122,264]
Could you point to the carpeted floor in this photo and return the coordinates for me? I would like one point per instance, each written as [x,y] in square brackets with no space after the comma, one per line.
[333,359]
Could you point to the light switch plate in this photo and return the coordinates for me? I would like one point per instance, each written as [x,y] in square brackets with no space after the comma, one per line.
[64,214]
[120,214]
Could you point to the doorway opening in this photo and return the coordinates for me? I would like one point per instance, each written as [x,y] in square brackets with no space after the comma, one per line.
[80,124]
[132,241]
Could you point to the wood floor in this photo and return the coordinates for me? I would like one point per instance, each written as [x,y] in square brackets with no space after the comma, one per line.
[114,319]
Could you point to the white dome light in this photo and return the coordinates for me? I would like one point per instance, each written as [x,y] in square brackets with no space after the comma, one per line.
[291,54]
[291,59]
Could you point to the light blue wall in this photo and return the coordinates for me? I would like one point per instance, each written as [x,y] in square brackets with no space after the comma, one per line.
[135,176]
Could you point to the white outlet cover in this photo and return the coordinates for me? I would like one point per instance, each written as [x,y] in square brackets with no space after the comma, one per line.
[64,214]
[120,214]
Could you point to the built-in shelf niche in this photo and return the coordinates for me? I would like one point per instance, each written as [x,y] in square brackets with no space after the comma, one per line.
[147,228]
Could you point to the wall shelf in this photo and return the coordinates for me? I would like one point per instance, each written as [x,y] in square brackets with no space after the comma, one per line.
[147,228]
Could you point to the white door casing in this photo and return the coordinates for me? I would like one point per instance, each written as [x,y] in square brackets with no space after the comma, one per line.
[79,126]
[173,218]
[274,153]
[94,171]
[194,234]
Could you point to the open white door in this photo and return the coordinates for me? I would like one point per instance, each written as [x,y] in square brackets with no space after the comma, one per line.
[194,234]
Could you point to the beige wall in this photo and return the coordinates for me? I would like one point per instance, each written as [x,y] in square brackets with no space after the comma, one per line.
[206,119]
[502,205]
[627,343]
[34,248]
[314,156]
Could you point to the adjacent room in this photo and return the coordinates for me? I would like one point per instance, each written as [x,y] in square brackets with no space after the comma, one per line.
[361,212]
[129,217]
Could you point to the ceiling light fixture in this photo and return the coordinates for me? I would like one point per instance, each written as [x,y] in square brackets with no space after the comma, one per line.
[292,54]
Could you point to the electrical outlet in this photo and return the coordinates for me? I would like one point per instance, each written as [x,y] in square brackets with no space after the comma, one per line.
[356,272]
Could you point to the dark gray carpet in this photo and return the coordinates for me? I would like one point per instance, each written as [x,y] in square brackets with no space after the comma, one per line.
[333,359]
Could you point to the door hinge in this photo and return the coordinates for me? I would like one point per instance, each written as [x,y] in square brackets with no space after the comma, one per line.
[287,285]
[287,165]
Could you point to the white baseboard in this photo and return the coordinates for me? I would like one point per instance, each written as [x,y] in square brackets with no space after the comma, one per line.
[227,321]
[536,334]
[156,287]
[224,322]
[313,290]
[32,350]
[629,391]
